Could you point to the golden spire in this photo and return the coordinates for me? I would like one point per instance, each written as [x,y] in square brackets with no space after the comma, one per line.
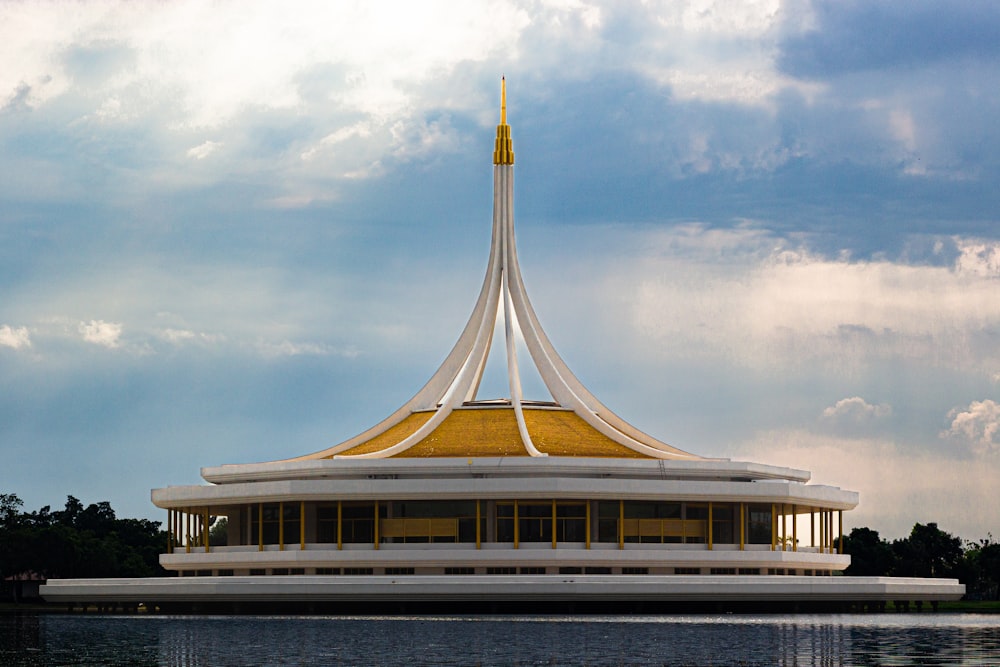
[503,151]
[503,100]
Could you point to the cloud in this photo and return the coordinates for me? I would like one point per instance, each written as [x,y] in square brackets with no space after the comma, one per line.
[181,336]
[14,337]
[856,410]
[978,258]
[897,485]
[213,62]
[911,33]
[978,424]
[287,348]
[769,300]
[202,151]
[102,333]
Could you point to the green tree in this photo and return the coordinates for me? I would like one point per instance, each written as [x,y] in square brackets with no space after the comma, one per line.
[10,510]
[69,515]
[11,558]
[77,541]
[871,556]
[979,570]
[927,552]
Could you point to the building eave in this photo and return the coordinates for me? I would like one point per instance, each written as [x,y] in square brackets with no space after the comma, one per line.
[499,488]
[703,469]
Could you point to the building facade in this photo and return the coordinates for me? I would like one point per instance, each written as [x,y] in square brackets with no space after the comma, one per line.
[452,483]
[457,499]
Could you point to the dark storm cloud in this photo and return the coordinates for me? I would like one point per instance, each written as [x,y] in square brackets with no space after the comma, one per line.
[857,35]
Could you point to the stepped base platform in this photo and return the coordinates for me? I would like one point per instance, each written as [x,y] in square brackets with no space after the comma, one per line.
[340,594]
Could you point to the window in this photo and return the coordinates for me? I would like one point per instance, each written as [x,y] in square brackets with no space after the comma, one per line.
[749,570]
[505,522]
[430,521]
[459,570]
[358,522]
[268,520]
[326,524]
[687,570]
[327,570]
[501,570]
[276,516]
[571,570]
[696,523]
[722,523]
[597,570]
[607,521]
[571,522]
[358,570]
[635,570]
[664,522]
[758,524]
[399,570]
[534,521]
[723,570]
[532,570]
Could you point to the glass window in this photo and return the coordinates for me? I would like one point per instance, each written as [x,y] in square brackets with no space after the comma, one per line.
[326,524]
[535,521]
[723,524]
[571,522]
[696,523]
[431,521]
[270,524]
[664,522]
[505,522]
[358,522]
[607,521]
[758,529]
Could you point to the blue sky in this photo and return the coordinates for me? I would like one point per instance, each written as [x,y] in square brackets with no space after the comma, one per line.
[233,232]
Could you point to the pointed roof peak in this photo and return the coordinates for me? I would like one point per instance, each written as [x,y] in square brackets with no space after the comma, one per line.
[503,151]
[503,100]
[446,418]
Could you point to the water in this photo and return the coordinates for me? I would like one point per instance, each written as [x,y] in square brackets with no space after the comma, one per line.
[799,640]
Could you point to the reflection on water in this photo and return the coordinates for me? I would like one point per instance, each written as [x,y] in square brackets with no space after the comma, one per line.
[802,641]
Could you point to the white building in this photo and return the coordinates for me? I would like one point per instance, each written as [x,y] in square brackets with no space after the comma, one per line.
[455,497]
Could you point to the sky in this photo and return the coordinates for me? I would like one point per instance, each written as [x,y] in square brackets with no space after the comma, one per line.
[761,230]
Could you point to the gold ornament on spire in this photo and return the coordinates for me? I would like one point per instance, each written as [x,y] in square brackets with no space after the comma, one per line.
[503,151]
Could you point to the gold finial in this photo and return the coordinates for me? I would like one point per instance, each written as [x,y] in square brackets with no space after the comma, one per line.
[503,100]
[503,151]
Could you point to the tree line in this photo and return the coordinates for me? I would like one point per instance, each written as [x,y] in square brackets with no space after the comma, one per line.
[91,541]
[928,551]
[77,542]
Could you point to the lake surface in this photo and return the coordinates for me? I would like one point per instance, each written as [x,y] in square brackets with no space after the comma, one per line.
[800,640]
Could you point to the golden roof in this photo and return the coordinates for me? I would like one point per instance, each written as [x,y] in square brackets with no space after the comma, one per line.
[488,432]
